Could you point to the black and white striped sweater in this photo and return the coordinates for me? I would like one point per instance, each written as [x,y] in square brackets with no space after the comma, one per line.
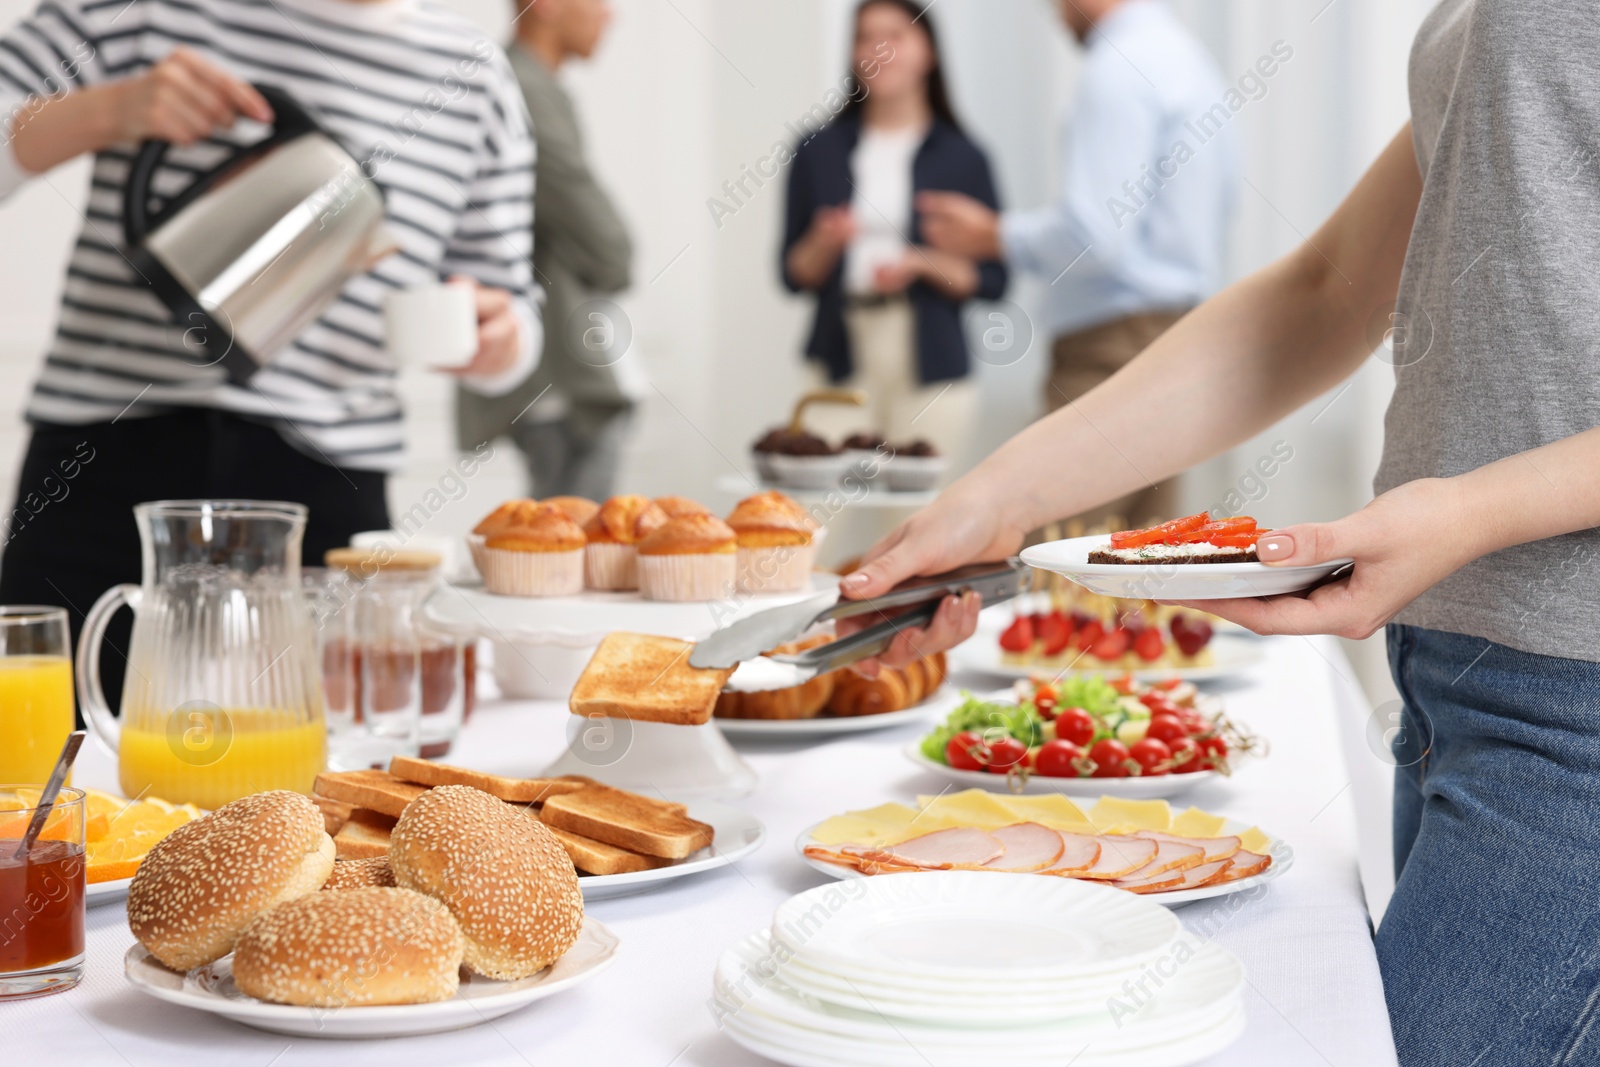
[417,94]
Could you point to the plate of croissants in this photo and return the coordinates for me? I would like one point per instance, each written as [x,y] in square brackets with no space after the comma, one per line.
[838,702]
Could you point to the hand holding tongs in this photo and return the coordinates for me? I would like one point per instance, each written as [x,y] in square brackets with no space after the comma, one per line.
[741,644]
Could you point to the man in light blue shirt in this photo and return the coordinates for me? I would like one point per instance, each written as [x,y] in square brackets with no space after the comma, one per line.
[1149,180]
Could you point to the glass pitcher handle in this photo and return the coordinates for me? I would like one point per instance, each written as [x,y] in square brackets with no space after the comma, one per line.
[90,693]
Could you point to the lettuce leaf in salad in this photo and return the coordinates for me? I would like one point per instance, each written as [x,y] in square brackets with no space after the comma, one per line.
[1091,692]
[1019,721]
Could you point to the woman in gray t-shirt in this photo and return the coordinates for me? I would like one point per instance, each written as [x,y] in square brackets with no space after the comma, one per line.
[1471,239]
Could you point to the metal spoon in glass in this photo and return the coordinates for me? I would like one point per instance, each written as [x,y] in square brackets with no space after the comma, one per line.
[52,789]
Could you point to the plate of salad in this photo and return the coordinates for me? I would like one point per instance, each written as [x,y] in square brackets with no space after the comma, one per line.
[1088,736]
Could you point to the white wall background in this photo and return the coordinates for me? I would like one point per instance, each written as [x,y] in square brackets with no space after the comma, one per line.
[686,91]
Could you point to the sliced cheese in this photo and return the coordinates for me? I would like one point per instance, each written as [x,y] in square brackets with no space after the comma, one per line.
[1197,823]
[1114,812]
[970,807]
[1052,810]
[884,824]
[1253,840]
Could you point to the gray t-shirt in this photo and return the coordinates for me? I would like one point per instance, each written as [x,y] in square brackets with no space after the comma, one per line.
[1500,297]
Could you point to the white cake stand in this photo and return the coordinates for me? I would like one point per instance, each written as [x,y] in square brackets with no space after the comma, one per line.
[543,643]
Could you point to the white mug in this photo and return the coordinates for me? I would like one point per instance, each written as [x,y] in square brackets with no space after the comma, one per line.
[432,325]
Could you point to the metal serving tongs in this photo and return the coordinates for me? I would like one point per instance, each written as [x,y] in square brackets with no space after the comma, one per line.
[741,644]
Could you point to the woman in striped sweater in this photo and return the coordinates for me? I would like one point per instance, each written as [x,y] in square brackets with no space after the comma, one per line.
[432,111]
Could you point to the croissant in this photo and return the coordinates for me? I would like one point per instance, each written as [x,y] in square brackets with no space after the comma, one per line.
[891,690]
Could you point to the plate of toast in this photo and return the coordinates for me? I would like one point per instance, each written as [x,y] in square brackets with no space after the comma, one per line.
[620,842]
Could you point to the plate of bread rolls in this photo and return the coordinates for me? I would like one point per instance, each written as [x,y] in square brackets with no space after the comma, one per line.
[473,911]
[838,702]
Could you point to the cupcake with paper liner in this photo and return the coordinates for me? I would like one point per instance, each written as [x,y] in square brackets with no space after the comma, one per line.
[539,552]
[777,548]
[611,560]
[580,509]
[498,519]
[695,557]
[678,507]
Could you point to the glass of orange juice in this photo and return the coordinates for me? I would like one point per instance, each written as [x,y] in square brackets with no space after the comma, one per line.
[35,691]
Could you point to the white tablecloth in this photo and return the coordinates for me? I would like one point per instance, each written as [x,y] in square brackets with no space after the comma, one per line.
[1314,995]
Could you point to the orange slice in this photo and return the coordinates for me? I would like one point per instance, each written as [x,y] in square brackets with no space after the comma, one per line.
[110,871]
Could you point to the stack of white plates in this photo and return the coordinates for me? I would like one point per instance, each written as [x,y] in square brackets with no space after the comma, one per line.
[973,967]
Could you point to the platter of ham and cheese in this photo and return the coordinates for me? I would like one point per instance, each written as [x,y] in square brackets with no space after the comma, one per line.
[1140,846]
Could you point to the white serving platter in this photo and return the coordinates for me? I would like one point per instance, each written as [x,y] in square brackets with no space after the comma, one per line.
[1143,788]
[1230,654]
[1282,859]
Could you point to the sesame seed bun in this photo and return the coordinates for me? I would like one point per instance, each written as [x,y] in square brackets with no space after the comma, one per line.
[505,878]
[203,883]
[361,946]
[360,874]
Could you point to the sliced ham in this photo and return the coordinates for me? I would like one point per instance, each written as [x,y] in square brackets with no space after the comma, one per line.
[843,858]
[1028,847]
[1155,883]
[1119,857]
[942,850]
[1246,865]
[1215,848]
[1079,854]
[1174,880]
[1170,856]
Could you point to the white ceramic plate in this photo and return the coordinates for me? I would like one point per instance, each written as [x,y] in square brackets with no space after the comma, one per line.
[1182,581]
[211,989]
[806,1047]
[737,834]
[1230,654]
[1142,788]
[1199,1007]
[1282,859]
[919,929]
[823,726]
[100,893]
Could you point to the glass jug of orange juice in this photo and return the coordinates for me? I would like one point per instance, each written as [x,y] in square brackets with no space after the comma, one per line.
[223,693]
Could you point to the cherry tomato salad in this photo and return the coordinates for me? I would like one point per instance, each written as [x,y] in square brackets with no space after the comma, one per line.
[1086,726]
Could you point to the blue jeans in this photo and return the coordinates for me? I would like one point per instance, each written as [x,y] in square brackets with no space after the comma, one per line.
[1490,948]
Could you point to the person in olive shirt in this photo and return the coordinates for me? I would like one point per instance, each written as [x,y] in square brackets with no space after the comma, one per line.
[570,418]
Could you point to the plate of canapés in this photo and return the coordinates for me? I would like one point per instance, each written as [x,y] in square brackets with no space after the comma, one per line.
[1197,557]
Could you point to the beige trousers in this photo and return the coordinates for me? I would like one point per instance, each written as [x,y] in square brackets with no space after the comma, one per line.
[1082,361]
[883,342]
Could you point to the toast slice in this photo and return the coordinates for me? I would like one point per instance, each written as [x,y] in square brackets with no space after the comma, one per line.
[635,676]
[375,790]
[597,857]
[627,820]
[515,790]
[335,813]
[364,836]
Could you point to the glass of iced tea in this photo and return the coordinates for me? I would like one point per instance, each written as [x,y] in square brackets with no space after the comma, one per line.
[41,894]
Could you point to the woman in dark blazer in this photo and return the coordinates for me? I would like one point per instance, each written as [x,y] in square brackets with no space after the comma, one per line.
[888,316]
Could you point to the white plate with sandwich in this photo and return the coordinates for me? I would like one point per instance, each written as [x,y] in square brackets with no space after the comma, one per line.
[1172,572]
[210,988]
